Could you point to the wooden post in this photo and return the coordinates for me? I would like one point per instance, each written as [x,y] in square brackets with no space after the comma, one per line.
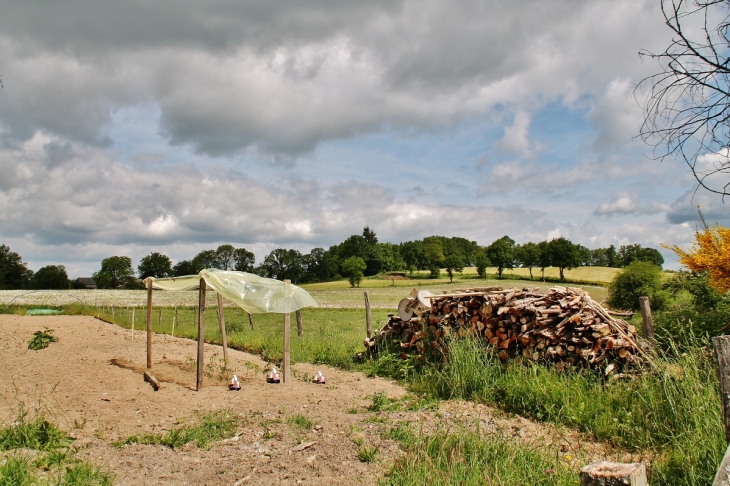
[605,473]
[368,319]
[222,324]
[722,478]
[722,354]
[287,348]
[134,309]
[201,335]
[300,326]
[149,324]
[647,322]
[174,321]
[250,319]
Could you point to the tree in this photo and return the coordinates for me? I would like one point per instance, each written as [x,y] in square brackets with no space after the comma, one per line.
[319,265]
[563,254]
[13,272]
[283,264]
[244,260]
[454,263]
[433,250]
[544,257]
[225,256]
[369,236]
[637,280]
[528,255]
[710,253]
[631,253]
[502,254]
[50,277]
[154,265]
[205,259]
[182,268]
[116,273]
[353,267]
[413,255]
[687,107]
[481,260]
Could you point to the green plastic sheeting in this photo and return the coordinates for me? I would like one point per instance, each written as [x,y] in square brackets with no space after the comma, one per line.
[43,312]
[254,294]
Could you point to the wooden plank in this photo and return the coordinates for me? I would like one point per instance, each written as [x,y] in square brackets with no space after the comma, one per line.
[201,335]
[647,323]
[722,478]
[287,345]
[149,378]
[222,324]
[604,473]
[722,354]
[300,324]
[149,324]
[368,317]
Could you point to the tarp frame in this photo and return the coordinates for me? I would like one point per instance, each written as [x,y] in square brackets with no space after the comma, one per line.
[251,292]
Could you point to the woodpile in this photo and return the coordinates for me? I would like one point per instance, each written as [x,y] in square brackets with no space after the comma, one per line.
[563,326]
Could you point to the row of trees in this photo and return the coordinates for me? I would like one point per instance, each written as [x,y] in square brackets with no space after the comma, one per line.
[357,256]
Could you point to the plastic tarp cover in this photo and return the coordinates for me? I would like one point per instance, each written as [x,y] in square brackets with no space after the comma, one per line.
[252,293]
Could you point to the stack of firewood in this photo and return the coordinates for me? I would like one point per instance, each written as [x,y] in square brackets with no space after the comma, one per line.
[563,326]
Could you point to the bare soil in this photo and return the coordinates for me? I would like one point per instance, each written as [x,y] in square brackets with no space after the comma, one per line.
[90,384]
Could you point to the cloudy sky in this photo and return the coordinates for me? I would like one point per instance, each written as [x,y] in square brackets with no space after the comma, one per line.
[131,127]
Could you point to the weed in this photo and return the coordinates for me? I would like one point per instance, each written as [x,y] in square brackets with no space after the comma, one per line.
[367,453]
[41,339]
[353,411]
[214,426]
[32,433]
[301,421]
[16,472]
[401,432]
[382,403]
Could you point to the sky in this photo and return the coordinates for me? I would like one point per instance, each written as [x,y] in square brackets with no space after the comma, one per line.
[133,127]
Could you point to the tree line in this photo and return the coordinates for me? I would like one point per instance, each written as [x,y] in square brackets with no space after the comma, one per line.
[356,257]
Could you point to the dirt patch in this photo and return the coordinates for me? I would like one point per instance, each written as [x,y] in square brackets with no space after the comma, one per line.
[90,384]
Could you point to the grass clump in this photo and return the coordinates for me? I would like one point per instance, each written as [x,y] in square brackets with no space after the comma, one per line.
[367,453]
[469,458]
[214,426]
[41,339]
[54,456]
[301,421]
[32,433]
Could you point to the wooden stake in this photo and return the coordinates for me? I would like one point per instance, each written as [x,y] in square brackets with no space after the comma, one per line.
[149,377]
[368,319]
[201,334]
[646,319]
[722,354]
[605,473]
[300,326]
[149,324]
[222,324]
[250,319]
[174,321]
[286,366]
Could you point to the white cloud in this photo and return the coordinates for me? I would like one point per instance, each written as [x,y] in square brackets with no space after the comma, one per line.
[622,203]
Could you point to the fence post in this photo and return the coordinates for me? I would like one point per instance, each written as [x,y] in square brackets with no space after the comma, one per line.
[201,335]
[368,320]
[300,325]
[287,346]
[149,324]
[222,324]
[646,319]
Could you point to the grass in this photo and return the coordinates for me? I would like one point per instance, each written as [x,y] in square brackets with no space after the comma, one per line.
[470,458]
[672,411]
[55,459]
[213,427]
[41,339]
[301,421]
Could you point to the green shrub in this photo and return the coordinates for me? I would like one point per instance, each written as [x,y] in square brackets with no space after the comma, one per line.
[637,280]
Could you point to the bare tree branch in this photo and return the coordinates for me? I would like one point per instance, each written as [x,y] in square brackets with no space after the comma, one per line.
[687,104]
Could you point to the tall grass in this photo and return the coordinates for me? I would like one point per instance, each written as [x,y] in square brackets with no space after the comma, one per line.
[673,411]
[470,458]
